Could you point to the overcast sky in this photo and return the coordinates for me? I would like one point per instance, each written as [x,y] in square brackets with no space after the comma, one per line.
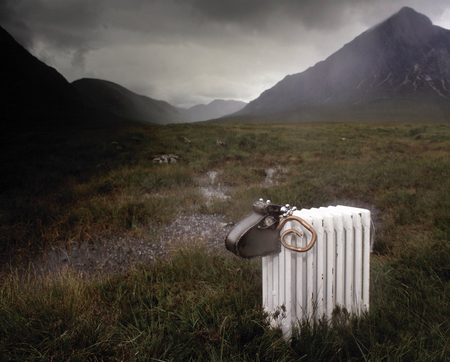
[188,52]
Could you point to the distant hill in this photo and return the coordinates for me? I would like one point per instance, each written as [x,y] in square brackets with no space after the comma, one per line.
[113,98]
[35,96]
[216,109]
[397,70]
[32,92]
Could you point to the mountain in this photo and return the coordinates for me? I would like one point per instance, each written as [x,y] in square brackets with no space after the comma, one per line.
[216,109]
[32,92]
[398,68]
[35,96]
[110,97]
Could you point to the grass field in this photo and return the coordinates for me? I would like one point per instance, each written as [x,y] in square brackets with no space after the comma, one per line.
[63,188]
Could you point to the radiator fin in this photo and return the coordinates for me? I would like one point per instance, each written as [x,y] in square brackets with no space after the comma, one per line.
[335,272]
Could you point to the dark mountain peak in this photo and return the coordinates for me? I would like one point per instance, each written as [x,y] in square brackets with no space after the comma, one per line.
[409,14]
[31,91]
[113,98]
[406,22]
[405,57]
[16,62]
[36,96]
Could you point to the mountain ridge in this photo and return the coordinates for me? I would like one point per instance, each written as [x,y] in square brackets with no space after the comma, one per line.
[36,97]
[404,56]
[213,110]
[399,68]
[113,98]
[31,88]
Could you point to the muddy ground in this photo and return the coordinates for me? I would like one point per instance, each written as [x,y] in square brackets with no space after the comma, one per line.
[105,257]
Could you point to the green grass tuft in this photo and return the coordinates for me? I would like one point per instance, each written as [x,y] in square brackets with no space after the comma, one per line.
[199,305]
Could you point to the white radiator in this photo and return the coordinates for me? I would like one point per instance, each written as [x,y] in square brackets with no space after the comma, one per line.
[335,272]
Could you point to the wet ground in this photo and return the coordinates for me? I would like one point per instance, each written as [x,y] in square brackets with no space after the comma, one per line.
[107,256]
[122,254]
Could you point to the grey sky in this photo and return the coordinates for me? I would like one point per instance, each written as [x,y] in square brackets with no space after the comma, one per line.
[194,51]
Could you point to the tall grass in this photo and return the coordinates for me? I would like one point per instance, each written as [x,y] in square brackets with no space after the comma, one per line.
[204,306]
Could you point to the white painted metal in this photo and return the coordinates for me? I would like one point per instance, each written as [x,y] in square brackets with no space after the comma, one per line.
[335,272]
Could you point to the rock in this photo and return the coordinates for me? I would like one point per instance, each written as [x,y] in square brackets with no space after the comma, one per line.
[171,158]
[116,145]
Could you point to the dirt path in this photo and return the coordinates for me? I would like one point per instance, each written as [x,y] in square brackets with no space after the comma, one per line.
[122,254]
[117,255]
[109,256]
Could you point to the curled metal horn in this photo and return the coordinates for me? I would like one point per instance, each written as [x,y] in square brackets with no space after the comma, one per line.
[293,231]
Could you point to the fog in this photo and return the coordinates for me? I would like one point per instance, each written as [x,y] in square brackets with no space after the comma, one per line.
[194,51]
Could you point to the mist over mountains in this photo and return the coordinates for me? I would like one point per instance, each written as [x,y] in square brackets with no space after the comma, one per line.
[112,98]
[36,96]
[402,65]
[399,70]
[215,109]
[30,88]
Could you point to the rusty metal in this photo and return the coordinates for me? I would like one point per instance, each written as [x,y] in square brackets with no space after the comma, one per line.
[293,231]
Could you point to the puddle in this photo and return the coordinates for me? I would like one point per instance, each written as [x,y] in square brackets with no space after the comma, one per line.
[119,254]
[211,189]
[212,194]
[273,175]
[102,257]
[212,175]
[212,229]
[214,190]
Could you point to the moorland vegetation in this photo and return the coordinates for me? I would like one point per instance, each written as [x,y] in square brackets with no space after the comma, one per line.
[60,188]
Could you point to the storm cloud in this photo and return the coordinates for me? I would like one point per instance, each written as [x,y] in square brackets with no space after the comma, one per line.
[193,51]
